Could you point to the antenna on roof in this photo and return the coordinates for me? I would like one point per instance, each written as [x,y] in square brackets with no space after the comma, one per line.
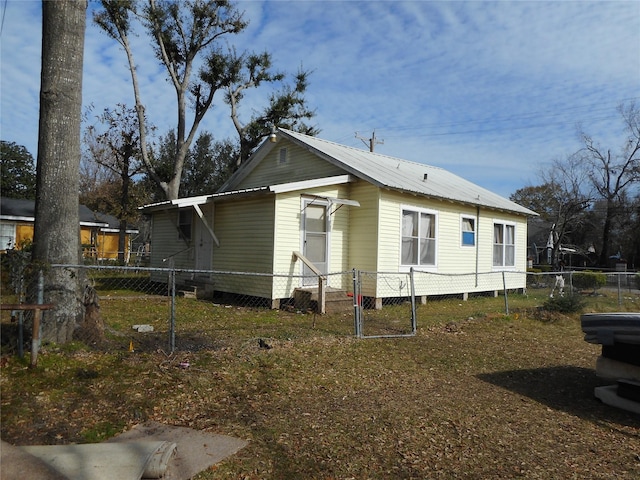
[370,142]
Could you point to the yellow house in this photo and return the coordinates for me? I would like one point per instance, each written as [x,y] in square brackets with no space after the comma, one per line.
[341,208]
[98,232]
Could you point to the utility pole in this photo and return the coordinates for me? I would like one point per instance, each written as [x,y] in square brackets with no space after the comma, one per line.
[370,142]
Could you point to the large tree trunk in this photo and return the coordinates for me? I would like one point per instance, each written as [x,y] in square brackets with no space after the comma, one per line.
[606,230]
[56,231]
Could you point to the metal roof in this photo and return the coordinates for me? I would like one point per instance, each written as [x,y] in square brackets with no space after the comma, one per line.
[397,174]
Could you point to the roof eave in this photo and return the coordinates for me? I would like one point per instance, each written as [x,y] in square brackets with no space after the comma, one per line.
[525,212]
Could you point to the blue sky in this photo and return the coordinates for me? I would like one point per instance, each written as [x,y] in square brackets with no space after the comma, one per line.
[492,91]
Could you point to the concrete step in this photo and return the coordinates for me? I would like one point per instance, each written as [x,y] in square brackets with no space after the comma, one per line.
[336,300]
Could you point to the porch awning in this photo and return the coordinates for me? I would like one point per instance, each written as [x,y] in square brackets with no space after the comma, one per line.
[336,201]
[340,202]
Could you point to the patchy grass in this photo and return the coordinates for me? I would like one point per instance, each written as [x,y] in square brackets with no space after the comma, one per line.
[475,394]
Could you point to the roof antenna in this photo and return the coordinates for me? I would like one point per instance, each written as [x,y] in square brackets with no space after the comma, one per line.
[371,141]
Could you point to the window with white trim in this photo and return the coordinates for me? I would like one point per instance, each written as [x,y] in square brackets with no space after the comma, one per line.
[468,229]
[418,238]
[7,236]
[504,244]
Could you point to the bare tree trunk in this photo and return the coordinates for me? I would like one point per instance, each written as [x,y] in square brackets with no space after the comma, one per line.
[56,231]
[606,231]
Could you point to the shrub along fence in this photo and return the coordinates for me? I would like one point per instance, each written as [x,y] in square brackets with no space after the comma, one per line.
[360,303]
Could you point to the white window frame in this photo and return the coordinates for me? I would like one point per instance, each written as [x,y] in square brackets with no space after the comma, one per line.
[474,221]
[420,211]
[504,245]
[10,242]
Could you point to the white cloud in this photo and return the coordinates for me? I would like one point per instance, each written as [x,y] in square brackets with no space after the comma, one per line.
[489,90]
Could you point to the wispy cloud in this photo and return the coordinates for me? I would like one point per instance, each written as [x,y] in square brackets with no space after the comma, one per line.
[489,90]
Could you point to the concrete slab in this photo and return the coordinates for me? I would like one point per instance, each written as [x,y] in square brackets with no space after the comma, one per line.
[149,450]
[196,450]
[106,461]
[16,464]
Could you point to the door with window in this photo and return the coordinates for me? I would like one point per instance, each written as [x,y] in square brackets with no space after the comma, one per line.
[315,239]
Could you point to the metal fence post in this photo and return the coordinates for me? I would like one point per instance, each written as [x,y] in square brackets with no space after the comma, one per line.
[506,296]
[172,320]
[356,305]
[619,275]
[571,282]
[414,322]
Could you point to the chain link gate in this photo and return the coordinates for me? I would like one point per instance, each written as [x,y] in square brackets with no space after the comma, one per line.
[384,304]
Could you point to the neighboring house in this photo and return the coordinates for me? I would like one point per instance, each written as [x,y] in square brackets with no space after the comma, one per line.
[340,208]
[98,231]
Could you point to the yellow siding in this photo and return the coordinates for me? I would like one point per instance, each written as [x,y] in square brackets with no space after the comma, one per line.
[451,256]
[24,233]
[108,245]
[85,236]
[288,233]
[167,244]
[244,228]
[259,235]
[340,230]
[301,165]
[363,223]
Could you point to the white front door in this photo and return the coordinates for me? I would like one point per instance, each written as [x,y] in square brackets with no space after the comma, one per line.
[315,239]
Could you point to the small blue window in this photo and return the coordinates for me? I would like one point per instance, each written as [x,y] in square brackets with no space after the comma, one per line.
[468,238]
[468,231]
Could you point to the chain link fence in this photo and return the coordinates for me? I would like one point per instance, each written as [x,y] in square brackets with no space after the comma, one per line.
[177,309]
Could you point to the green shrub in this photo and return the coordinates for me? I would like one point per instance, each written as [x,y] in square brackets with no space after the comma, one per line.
[589,280]
[637,280]
[568,304]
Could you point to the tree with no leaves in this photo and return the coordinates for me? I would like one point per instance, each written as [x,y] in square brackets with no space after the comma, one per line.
[559,202]
[184,33]
[56,230]
[116,148]
[612,174]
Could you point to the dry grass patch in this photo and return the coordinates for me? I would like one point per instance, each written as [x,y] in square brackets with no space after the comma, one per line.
[474,395]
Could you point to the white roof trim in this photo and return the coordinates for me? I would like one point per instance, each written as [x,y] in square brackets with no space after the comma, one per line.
[14,218]
[199,200]
[316,182]
[94,224]
[117,230]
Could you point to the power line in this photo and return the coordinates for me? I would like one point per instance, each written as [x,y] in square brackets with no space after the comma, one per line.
[500,129]
[517,118]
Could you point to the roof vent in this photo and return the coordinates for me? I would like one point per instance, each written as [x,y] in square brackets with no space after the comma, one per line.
[426,175]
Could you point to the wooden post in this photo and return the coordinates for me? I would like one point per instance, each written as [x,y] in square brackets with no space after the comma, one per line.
[37,317]
[322,284]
